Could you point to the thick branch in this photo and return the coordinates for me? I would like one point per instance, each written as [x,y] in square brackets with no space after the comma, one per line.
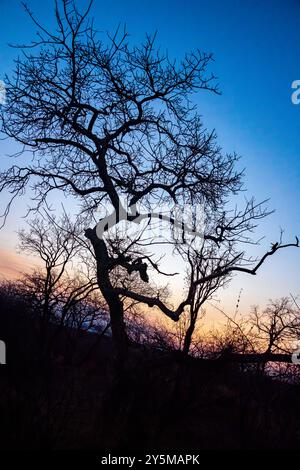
[223,272]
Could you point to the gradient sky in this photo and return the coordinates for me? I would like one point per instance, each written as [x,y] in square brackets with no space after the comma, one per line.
[256,45]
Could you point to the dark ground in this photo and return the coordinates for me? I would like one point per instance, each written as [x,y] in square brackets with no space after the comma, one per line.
[64,400]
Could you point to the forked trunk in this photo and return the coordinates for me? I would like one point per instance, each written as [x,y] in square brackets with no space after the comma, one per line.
[114,303]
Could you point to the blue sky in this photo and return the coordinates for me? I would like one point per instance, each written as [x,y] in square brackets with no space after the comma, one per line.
[256,45]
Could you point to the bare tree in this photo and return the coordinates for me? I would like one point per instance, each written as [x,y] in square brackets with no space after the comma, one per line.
[56,249]
[62,291]
[202,262]
[263,336]
[114,125]
[277,327]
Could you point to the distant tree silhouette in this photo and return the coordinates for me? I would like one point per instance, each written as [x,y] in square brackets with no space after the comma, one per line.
[112,124]
[261,336]
[57,245]
[276,329]
[61,294]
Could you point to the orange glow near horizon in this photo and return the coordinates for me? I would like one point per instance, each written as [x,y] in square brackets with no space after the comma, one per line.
[12,264]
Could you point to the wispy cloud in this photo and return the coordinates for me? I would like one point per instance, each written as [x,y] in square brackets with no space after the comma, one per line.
[13,264]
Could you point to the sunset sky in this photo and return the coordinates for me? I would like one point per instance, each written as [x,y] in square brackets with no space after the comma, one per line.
[256,46]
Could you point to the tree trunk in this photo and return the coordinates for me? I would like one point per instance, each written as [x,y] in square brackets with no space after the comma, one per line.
[114,303]
[188,337]
[117,321]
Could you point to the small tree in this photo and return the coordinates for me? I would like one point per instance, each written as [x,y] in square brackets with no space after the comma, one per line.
[62,291]
[114,125]
[277,327]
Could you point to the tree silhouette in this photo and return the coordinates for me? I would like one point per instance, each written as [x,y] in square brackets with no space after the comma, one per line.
[115,125]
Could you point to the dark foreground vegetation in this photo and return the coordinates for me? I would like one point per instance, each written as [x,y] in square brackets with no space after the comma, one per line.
[68,393]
